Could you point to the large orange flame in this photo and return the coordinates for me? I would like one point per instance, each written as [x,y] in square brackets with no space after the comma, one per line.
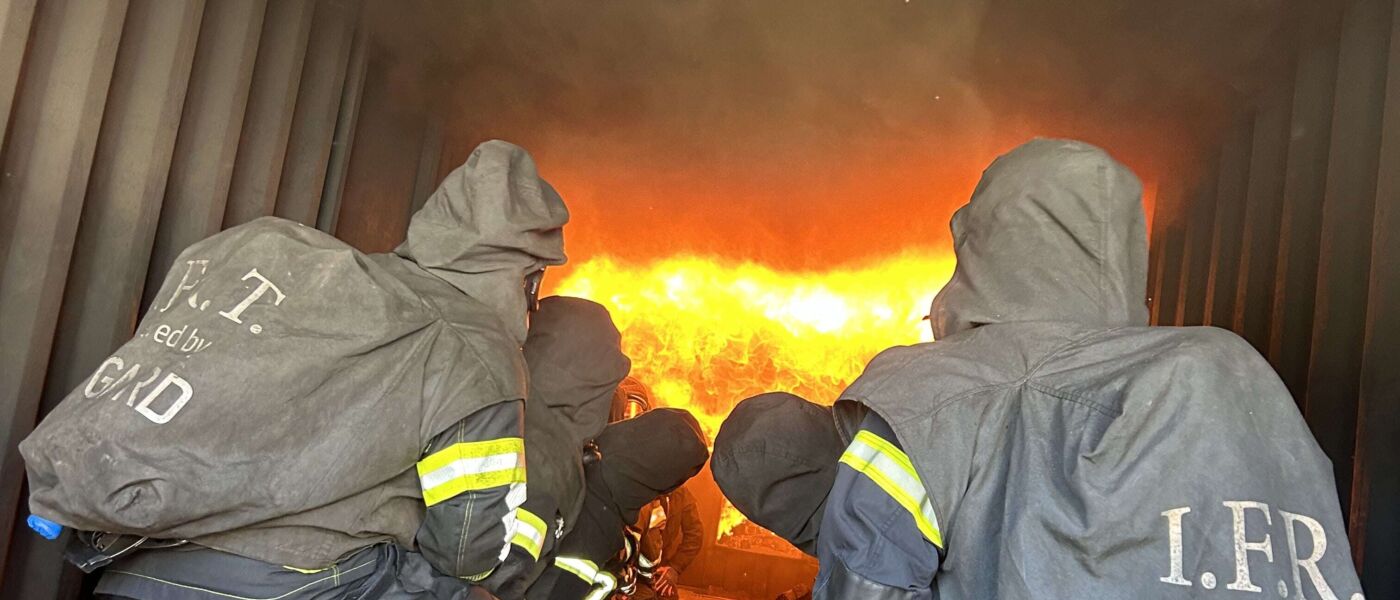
[707,332]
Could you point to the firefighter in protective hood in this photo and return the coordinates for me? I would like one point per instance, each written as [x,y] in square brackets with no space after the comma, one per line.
[292,414]
[639,460]
[1050,444]
[575,357]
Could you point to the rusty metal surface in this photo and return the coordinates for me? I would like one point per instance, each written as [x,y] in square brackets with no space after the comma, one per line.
[210,125]
[267,121]
[1222,282]
[314,120]
[16,16]
[1376,501]
[1305,179]
[1347,214]
[1259,244]
[1199,221]
[57,115]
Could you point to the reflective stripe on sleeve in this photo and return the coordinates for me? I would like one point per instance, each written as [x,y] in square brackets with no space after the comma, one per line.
[890,468]
[585,569]
[601,582]
[468,466]
[529,532]
[603,586]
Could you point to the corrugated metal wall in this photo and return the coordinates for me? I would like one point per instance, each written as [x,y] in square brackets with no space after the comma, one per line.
[133,128]
[1293,241]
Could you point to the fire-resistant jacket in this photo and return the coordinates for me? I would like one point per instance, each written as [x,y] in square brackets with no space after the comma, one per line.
[575,359]
[643,458]
[1069,451]
[280,393]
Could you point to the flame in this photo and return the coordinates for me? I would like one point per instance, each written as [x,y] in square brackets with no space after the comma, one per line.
[706,332]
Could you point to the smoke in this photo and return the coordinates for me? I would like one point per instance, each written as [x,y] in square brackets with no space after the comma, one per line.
[805,132]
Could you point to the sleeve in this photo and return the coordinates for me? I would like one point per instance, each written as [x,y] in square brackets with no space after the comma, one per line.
[692,531]
[579,570]
[879,536]
[473,480]
[534,538]
[581,579]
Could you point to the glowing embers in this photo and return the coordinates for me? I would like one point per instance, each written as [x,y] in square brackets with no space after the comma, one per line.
[705,333]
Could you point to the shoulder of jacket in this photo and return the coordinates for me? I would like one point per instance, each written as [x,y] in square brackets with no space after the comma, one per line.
[1173,347]
[474,329]
[916,378]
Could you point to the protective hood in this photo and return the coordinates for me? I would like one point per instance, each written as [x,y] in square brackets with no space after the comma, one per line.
[775,459]
[647,457]
[575,359]
[1054,232]
[491,222]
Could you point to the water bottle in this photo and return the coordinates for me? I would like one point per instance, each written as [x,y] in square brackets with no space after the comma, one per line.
[46,529]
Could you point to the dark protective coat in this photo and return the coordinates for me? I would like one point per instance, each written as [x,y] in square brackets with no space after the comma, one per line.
[575,360]
[1072,452]
[643,459]
[278,394]
[574,354]
[682,537]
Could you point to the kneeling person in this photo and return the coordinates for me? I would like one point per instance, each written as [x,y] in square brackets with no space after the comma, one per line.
[331,400]
[1052,445]
[639,460]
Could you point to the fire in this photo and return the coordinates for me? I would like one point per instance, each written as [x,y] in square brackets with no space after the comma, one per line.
[706,332]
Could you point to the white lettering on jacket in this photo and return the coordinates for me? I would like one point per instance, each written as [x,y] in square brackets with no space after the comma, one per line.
[1241,514]
[160,395]
[173,392]
[195,271]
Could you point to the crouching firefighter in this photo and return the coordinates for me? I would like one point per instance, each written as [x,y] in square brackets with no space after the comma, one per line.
[670,532]
[575,359]
[1050,444]
[638,460]
[293,415]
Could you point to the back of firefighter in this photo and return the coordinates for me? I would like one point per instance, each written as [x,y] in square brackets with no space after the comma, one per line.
[377,407]
[1049,444]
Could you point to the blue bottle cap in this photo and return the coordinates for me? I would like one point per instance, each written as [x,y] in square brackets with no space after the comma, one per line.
[47,529]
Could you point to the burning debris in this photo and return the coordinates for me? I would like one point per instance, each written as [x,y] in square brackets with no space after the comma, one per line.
[705,332]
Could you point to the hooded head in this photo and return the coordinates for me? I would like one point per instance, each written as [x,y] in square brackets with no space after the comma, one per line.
[491,223]
[647,457]
[1054,232]
[575,359]
[775,459]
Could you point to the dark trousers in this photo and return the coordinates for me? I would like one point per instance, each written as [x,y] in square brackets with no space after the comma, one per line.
[382,572]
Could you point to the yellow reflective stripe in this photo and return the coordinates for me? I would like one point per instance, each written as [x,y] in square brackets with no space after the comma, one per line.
[333,578]
[890,468]
[467,466]
[306,571]
[585,569]
[602,582]
[478,576]
[529,533]
[603,585]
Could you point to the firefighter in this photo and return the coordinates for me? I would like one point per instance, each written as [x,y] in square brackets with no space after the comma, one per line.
[1050,444]
[775,460]
[639,460]
[576,362]
[292,414]
[671,535]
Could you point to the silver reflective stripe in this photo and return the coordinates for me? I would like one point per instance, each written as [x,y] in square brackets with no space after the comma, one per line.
[514,498]
[602,582]
[890,468]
